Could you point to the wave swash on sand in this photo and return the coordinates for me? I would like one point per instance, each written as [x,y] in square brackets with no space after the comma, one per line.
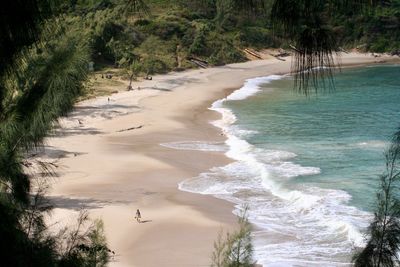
[296,226]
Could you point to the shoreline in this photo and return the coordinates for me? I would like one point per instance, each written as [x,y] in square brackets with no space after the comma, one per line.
[130,169]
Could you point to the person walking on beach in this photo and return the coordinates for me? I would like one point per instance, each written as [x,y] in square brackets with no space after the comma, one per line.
[138,216]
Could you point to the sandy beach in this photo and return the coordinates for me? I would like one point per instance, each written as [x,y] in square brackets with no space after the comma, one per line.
[110,162]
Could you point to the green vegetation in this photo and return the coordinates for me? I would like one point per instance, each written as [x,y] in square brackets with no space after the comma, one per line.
[157,36]
[375,30]
[384,232]
[44,64]
[235,250]
[317,29]
[84,245]
[43,67]
[166,33]
[162,34]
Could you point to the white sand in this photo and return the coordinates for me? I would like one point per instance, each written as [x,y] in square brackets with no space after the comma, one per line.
[113,173]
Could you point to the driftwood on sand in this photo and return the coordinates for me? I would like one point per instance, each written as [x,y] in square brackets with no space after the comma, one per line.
[253,53]
[201,63]
[282,53]
[278,58]
[130,129]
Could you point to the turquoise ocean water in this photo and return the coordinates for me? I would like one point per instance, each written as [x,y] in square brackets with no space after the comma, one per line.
[307,167]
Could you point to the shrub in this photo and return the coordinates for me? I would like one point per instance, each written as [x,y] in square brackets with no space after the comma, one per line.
[236,250]
[199,45]
[256,36]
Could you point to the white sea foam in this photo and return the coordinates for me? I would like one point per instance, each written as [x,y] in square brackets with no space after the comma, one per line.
[297,226]
[274,155]
[251,87]
[197,145]
[242,133]
[373,144]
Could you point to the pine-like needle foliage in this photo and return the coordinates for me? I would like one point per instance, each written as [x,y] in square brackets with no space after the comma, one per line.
[20,27]
[41,76]
[44,89]
[84,245]
[43,86]
[16,34]
[137,7]
[383,245]
[306,24]
[236,249]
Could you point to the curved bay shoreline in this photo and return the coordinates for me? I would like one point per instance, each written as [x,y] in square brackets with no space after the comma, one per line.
[111,162]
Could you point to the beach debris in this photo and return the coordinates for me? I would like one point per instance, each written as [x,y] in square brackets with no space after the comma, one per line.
[130,129]
[280,56]
[281,59]
[395,53]
[199,62]
[253,53]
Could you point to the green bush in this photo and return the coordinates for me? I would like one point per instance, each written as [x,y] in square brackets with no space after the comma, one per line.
[199,46]
[154,65]
[256,36]
[379,45]
[156,55]
[226,53]
[165,27]
[236,249]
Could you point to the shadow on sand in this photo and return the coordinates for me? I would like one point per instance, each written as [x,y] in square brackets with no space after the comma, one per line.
[79,203]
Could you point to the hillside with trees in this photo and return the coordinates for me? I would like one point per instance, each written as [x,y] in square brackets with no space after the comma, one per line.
[159,36]
[45,49]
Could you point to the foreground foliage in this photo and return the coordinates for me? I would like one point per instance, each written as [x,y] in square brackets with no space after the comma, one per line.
[43,68]
[43,64]
[319,29]
[235,249]
[384,232]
